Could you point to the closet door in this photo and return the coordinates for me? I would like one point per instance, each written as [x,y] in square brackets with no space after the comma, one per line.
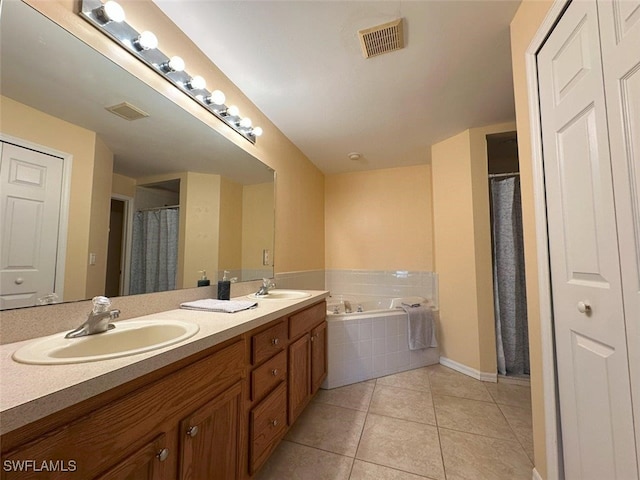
[593,371]
[620,38]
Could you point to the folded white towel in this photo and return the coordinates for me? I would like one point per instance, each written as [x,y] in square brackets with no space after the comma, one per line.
[214,305]
[421,326]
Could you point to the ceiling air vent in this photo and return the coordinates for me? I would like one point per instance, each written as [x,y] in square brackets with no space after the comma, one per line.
[127,111]
[382,39]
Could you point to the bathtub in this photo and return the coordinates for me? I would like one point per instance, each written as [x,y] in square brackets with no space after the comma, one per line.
[371,343]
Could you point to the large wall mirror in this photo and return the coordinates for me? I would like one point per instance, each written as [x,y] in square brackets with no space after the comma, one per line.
[97,201]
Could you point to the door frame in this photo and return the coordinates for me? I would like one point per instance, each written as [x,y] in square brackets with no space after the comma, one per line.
[553,453]
[63,221]
[125,261]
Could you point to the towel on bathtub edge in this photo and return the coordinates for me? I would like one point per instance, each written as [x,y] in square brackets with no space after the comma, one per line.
[215,305]
[421,327]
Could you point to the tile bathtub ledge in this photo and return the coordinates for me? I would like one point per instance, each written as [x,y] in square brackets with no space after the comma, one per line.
[32,392]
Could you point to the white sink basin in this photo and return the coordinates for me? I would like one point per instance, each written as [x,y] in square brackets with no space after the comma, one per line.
[128,338]
[278,294]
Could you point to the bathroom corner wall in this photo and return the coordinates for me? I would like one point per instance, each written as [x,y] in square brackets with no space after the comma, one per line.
[463,248]
[524,26]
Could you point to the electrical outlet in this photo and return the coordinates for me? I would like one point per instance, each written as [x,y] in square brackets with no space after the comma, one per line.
[266,257]
[92,259]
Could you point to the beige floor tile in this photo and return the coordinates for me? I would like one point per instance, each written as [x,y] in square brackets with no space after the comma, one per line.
[471,416]
[328,427]
[292,461]
[417,379]
[508,394]
[369,471]
[408,446]
[519,419]
[402,403]
[474,457]
[356,396]
[445,381]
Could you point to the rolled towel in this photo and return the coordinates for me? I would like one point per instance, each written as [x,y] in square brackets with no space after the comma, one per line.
[214,305]
[421,327]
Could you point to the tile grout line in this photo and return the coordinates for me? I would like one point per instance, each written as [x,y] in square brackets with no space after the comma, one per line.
[435,414]
[366,416]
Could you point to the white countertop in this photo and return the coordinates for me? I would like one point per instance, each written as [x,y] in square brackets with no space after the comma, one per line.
[31,392]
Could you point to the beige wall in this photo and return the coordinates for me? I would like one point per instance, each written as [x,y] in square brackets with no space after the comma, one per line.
[201,210]
[231,222]
[257,224]
[523,27]
[123,185]
[18,120]
[379,219]
[463,247]
[300,185]
[100,212]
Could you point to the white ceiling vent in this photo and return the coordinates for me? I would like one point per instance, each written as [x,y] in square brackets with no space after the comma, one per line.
[127,111]
[382,38]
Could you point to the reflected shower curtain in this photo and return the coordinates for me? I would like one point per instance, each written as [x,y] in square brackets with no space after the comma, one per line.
[510,298]
[154,251]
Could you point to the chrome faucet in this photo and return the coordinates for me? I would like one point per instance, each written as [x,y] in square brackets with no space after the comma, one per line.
[267,284]
[97,320]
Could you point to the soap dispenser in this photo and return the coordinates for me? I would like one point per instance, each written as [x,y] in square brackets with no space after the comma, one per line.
[224,287]
[204,281]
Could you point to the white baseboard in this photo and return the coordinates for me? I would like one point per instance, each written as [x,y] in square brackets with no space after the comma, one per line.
[535,475]
[471,372]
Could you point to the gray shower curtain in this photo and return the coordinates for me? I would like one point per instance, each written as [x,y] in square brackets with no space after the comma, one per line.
[510,298]
[154,251]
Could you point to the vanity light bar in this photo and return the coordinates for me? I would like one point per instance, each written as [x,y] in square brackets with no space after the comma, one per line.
[143,45]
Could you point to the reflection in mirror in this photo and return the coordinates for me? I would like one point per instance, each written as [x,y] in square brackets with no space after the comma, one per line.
[139,198]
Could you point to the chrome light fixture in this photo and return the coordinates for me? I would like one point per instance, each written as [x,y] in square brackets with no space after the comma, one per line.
[109,18]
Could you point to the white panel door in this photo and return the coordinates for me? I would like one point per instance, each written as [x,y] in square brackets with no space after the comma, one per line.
[620,38]
[593,371]
[31,185]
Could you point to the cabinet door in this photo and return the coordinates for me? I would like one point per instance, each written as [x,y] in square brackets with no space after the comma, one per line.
[299,376]
[209,439]
[143,464]
[318,356]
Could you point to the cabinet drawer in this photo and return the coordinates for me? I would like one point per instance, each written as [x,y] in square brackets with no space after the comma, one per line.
[305,320]
[268,343]
[267,376]
[268,423]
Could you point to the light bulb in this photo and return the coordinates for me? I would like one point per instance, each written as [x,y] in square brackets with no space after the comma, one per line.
[257,131]
[197,83]
[216,98]
[245,122]
[111,12]
[233,111]
[146,41]
[175,64]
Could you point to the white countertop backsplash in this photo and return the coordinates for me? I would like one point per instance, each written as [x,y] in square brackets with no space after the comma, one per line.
[31,392]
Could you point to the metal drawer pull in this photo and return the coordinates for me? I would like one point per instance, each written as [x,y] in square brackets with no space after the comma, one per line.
[192,431]
[584,307]
[163,454]
[274,422]
[275,341]
[274,372]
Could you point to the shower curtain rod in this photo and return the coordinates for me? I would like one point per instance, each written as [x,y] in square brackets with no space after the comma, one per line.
[498,175]
[158,208]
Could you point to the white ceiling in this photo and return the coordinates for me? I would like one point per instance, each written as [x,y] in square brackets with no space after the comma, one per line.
[300,62]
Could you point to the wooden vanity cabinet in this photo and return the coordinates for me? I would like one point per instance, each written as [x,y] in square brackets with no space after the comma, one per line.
[136,436]
[307,357]
[217,415]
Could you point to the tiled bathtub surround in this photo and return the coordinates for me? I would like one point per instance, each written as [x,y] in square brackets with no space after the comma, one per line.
[371,346]
[365,284]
